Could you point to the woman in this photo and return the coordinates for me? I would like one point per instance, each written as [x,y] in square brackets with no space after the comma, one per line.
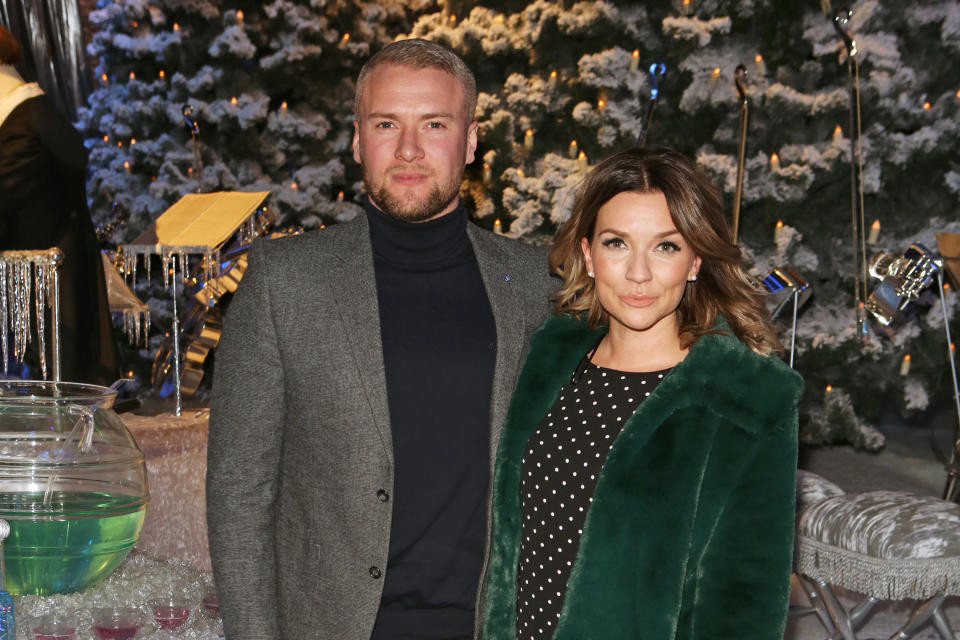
[43,204]
[645,479]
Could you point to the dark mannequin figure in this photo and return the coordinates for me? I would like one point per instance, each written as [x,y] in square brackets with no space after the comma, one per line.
[43,204]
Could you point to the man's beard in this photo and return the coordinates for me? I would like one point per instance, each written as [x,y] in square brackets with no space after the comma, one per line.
[438,199]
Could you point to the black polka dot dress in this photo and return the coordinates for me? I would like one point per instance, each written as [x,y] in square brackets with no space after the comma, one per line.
[561,465]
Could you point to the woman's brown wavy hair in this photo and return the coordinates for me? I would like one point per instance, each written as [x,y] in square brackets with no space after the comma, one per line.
[723,285]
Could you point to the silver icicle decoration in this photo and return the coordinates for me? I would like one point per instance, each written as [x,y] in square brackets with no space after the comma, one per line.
[39,287]
[29,278]
[183,264]
[3,314]
[135,325]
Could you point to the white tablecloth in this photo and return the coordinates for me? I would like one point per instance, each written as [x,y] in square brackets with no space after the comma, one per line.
[176,452]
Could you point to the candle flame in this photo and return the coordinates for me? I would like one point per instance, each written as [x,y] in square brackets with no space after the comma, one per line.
[103,77]
[233,100]
[283,105]
[758,58]
[553,74]
[346,37]
[774,158]
[779,224]
[582,156]
[946,286]
[716,72]
[134,24]
[636,53]
[126,164]
[573,143]
[875,225]
[906,358]
[293,185]
[686,3]
[132,75]
[529,133]
[453,17]
[837,131]
[829,388]
[239,15]
[340,195]
[499,18]
[926,105]
[601,103]
[119,143]
[106,138]
[130,373]
[520,173]
[161,74]
[133,141]
[176,26]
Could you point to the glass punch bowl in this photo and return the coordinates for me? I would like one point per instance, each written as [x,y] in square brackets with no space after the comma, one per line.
[73,485]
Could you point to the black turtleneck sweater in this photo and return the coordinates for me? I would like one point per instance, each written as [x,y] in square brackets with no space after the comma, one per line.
[439,346]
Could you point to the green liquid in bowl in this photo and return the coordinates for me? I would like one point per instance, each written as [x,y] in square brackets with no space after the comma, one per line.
[48,552]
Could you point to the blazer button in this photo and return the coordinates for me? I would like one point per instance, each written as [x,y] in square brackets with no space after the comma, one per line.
[375,573]
[382,495]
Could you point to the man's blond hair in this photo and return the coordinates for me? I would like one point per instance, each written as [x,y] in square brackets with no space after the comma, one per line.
[417,53]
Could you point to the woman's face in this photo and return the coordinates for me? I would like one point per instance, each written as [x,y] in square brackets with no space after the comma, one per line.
[640,262]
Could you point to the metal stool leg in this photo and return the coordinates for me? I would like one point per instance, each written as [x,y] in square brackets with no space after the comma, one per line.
[942,625]
[857,614]
[920,616]
[817,603]
[841,617]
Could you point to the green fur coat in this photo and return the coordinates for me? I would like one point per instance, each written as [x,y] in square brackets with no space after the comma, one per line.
[690,533]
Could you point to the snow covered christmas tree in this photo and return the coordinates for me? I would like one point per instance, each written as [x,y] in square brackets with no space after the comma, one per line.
[562,85]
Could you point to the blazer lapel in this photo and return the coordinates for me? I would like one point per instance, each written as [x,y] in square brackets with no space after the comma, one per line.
[506,304]
[354,286]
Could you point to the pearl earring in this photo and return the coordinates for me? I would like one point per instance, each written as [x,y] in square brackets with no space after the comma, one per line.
[590,273]
[694,278]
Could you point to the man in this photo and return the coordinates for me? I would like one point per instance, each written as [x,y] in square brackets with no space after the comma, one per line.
[363,376]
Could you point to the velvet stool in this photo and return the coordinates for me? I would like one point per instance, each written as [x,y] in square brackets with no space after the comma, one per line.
[886,545]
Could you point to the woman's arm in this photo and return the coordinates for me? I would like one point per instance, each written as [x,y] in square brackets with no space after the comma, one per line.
[740,588]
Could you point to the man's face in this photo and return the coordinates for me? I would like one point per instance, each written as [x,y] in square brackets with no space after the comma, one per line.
[413,139]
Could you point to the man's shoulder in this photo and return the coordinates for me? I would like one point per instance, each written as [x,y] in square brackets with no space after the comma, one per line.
[310,245]
[517,252]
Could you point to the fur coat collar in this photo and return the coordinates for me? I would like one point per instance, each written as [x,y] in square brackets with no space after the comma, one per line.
[670,493]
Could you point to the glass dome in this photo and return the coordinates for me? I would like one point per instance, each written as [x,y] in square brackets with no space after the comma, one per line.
[73,485]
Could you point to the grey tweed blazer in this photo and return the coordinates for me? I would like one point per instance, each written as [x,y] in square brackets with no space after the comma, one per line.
[300,456]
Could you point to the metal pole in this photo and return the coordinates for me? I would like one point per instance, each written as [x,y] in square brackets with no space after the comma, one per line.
[949,492]
[194,127]
[739,78]
[55,312]
[840,18]
[793,334]
[657,71]
[176,339]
